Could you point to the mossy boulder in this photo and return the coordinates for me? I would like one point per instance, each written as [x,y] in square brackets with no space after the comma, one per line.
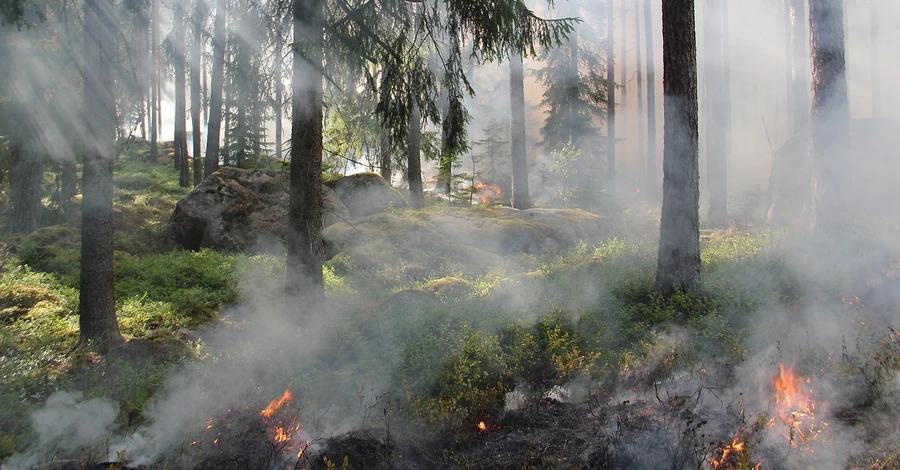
[239,210]
[366,194]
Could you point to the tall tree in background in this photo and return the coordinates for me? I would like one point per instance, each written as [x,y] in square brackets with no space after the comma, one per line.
[414,159]
[716,95]
[610,96]
[96,302]
[519,157]
[797,57]
[830,115]
[196,105]
[306,248]
[623,69]
[180,140]
[154,80]
[642,144]
[217,82]
[678,263]
[651,100]
[26,172]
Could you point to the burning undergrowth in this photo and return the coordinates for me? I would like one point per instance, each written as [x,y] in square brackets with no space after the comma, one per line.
[735,375]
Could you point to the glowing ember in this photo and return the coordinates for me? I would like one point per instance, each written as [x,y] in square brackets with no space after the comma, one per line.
[486,192]
[270,410]
[795,407]
[732,456]
[481,426]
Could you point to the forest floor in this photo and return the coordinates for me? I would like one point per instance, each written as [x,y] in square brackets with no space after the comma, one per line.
[782,358]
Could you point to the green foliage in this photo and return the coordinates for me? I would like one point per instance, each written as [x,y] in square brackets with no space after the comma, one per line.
[194,283]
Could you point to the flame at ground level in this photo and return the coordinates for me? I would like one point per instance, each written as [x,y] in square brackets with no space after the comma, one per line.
[270,410]
[486,192]
[795,407]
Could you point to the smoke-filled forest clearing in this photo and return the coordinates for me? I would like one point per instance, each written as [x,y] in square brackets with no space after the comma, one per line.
[449,234]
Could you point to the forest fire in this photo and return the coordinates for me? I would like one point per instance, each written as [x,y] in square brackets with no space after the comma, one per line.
[275,404]
[732,456]
[795,408]
[481,426]
[486,192]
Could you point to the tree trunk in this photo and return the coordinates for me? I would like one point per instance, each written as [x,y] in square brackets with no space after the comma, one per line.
[69,176]
[830,116]
[610,98]
[196,105]
[306,248]
[214,126]
[652,186]
[623,71]
[572,121]
[726,82]
[96,302]
[716,152]
[26,171]
[414,160]
[679,234]
[279,87]
[154,81]
[180,140]
[876,83]
[445,166]
[642,144]
[385,157]
[519,156]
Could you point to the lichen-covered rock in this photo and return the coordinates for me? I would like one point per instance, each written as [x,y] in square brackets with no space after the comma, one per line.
[366,194]
[240,210]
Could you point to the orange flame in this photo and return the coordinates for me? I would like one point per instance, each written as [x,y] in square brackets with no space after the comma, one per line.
[795,407]
[270,410]
[486,192]
[481,426]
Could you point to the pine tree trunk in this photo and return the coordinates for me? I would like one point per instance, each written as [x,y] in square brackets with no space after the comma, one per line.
[716,152]
[154,81]
[642,118]
[572,121]
[623,71]
[652,186]
[197,48]
[279,87]
[519,156]
[385,156]
[610,98]
[830,116]
[214,126]
[178,42]
[96,302]
[445,167]
[69,187]
[306,248]
[26,171]
[678,265]
[414,160]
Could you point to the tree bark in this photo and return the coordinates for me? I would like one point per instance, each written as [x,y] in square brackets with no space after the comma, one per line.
[96,302]
[180,138]
[830,116]
[279,86]
[214,126]
[306,248]
[414,160]
[642,118]
[26,171]
[652,187]
[519,156]
[678,265]
[385,156]
[69,176]
[154,83]
[610,98]
[197,48]
[716,152]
